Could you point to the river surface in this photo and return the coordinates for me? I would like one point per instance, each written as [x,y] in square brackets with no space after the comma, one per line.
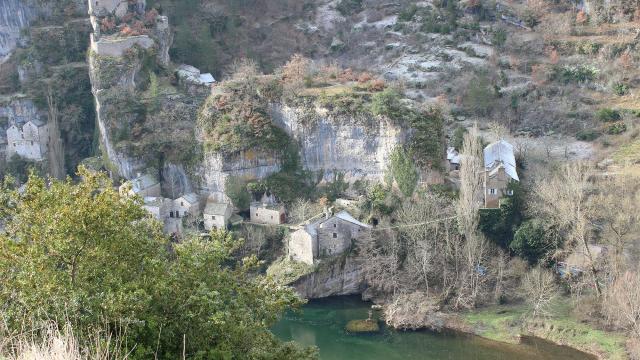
[321,323]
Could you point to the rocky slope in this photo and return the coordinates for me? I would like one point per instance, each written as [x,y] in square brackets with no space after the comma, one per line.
[340,276]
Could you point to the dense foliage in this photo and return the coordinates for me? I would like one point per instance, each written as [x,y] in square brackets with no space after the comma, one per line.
[82,252]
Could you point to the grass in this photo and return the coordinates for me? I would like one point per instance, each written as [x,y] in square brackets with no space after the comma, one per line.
[629,152]
[506,323]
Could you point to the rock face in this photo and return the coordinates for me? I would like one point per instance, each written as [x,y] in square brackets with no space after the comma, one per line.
[115,65]
[359,148]
[341,276]
[14,15]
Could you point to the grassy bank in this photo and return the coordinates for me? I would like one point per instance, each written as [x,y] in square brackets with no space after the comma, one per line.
[506,323]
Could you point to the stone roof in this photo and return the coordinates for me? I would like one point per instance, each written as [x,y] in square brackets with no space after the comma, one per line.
[143,182]
[216,208]
[37,122]
[191,198]
[261,205]
[501,153]
[154,201]
[344,215]
[312,229]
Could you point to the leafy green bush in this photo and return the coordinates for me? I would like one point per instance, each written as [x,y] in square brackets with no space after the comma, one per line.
[427,142]
[578,73]
[588,135]
[349,7]
[388,103]
[403,170]
[608,115]
[119,273]
[616,128]
[531,241]
[480,96]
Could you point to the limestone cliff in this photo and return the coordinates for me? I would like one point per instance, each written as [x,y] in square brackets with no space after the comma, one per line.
[357,148]
[340,276]
[14,16]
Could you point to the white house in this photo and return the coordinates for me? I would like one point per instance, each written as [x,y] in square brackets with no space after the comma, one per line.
[143,186]
[30,141]
[217,215]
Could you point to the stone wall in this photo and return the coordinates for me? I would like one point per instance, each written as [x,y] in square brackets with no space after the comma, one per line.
[303,247]
[335,236]
[116,47]
[340,276]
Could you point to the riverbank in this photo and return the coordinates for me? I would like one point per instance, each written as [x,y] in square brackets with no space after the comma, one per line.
[505,323]
[323,323]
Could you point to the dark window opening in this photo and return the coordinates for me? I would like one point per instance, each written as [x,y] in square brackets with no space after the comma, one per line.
[335,235]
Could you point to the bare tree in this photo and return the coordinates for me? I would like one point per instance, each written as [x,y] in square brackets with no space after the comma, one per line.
[56,149]
[622,305]
[302,210]
[618,205]
[471,195]
[539,290]
[563,201]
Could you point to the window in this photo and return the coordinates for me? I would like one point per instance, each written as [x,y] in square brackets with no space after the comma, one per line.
[492,191]
[181,203]
[177,213]
[334,225]
[510,192]
[335,235]
[256,214]
[271,217]
[32,143]
[170,214]
[213,217]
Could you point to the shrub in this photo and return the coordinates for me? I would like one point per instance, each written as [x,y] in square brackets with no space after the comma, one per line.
[608,115]
[499,37]
[620,89]
[458,137]
[408,13]
[403,170]
[236,190]
[616,128]
[588,135]
[349,7]
[579,73]
[530,241]
[388,103]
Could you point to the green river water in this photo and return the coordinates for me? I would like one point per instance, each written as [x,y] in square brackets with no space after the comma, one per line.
[321,323]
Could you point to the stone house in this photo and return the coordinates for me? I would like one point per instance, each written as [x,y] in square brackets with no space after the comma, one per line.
[188,204]
[30,141]
[265,213]
[143,186]
[158,207]
[217,215]
[328,237]
[499,172]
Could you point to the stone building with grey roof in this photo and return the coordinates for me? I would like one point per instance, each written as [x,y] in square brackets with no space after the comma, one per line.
[326,238]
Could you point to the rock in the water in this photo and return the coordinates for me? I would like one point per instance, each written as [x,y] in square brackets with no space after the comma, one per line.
[362,326]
